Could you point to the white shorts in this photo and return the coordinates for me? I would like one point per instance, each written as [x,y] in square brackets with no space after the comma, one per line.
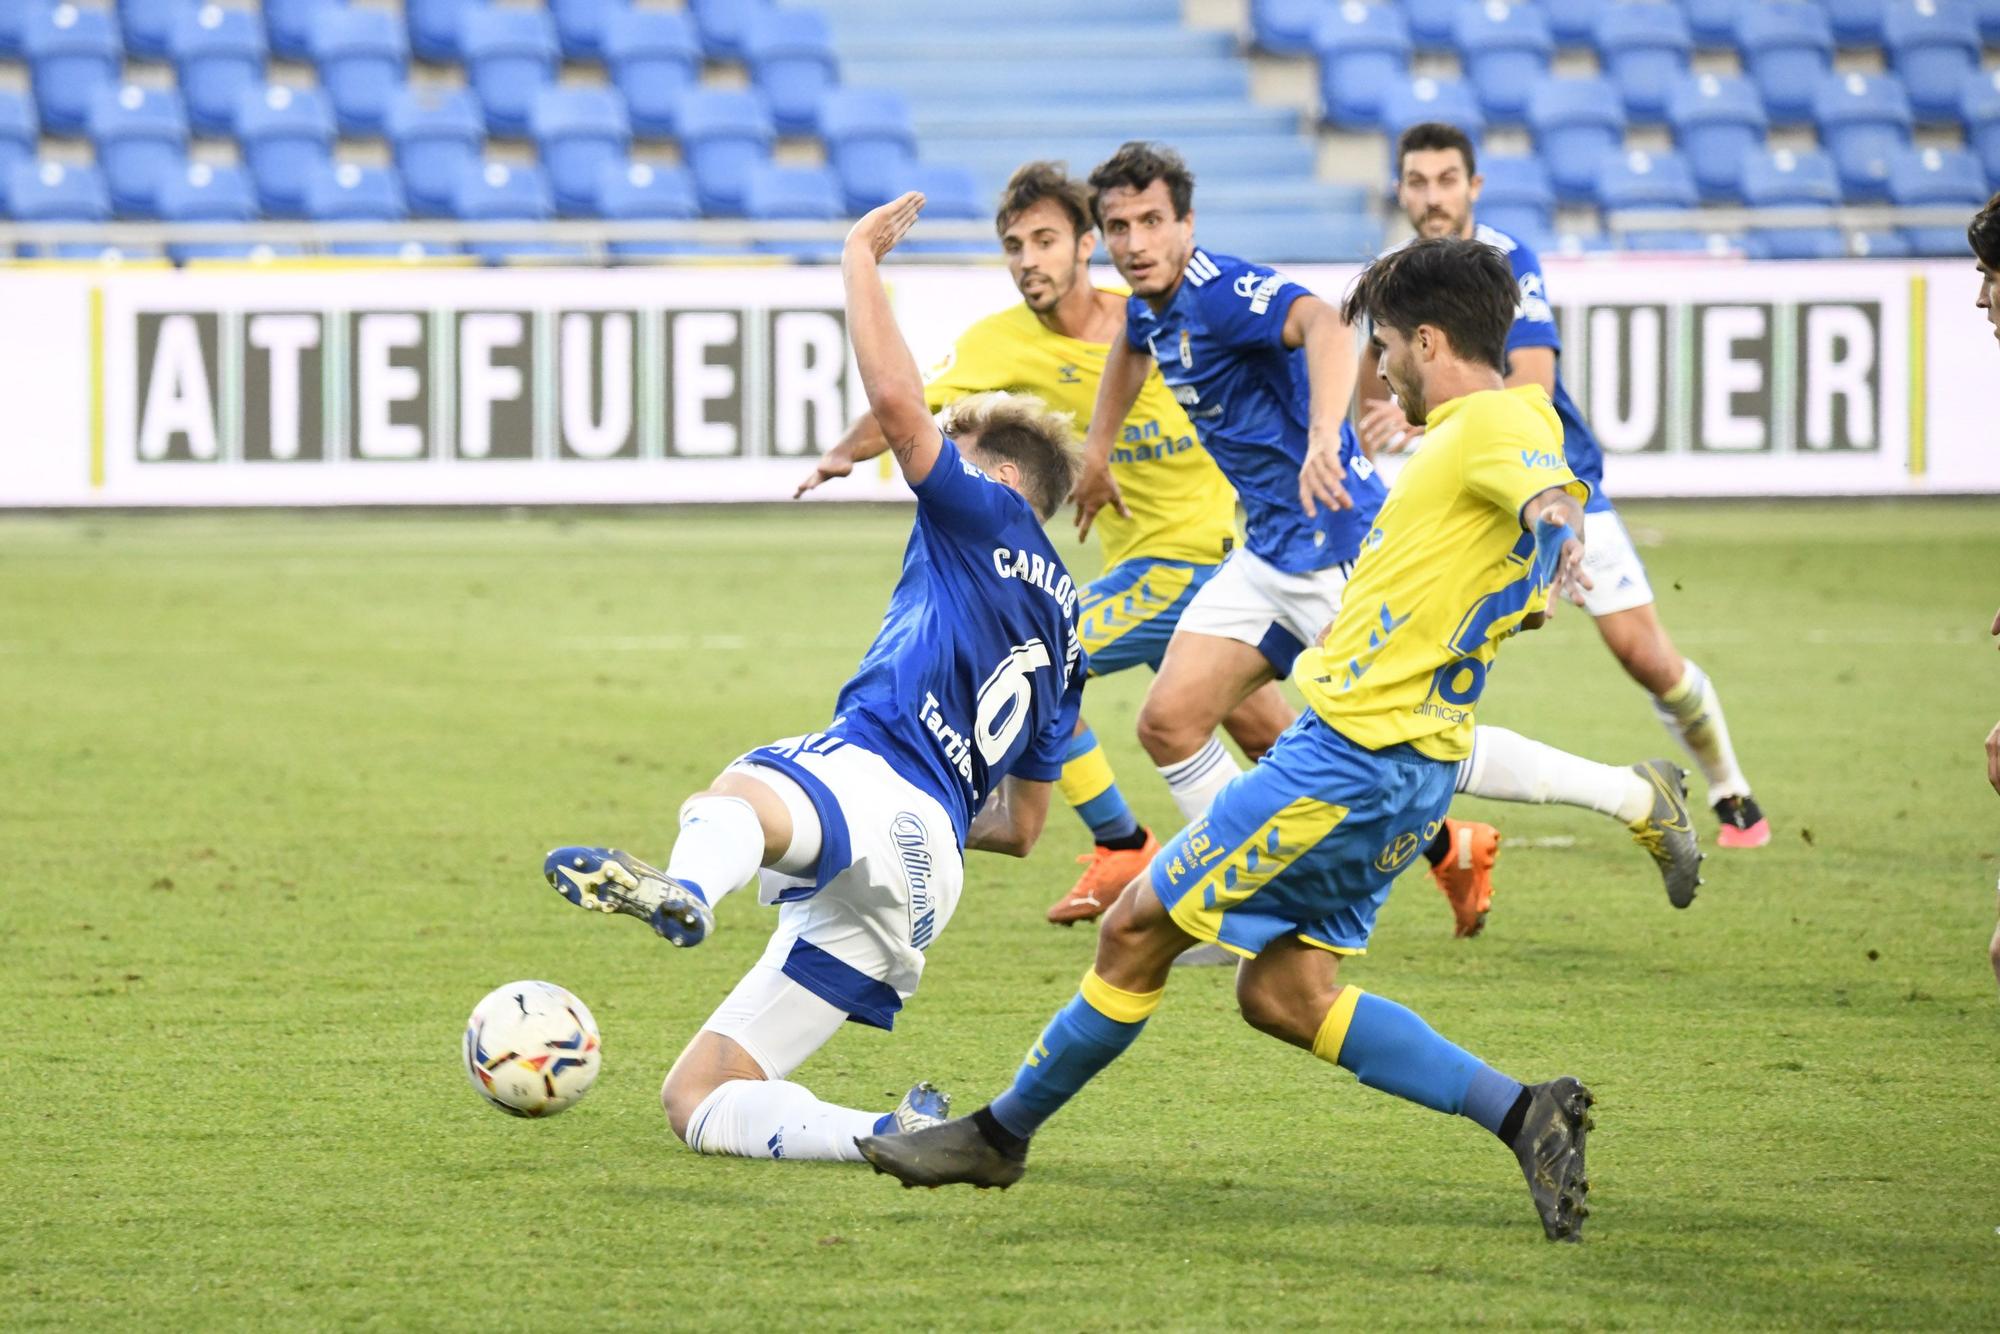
[1617,575]
[775,1019]
[1254,602]
[889,877]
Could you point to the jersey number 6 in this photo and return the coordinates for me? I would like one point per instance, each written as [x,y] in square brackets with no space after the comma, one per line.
[1003,700]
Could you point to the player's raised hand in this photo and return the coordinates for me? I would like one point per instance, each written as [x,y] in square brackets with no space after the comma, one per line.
[1385,430]
[1571,580]
[1321,475]
[1095,489]
[836,462]
[881,228]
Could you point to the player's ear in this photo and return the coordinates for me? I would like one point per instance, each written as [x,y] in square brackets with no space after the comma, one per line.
[1472,194]
[1086,244]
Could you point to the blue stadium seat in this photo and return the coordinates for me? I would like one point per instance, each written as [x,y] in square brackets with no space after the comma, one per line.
[141,138]
[204,193]
[1856,22]
[951,193]
[435,26]
[1712,23]
[219,56]
[72,53]
[1644,49]
[1789,179]
[724,133]
[1717,118]
[1505,50]
[1516,197]
[58,192]
[1879,245]
[1937,177]
[1286,27]
[1788,49]
[790,54]
[436,136]
[1362,49]
[13,17]
[579,132]
[1305,238]
[1933,45]
[510,55]
[1576,123]
[286,135]
[1431,22]
[288,25]
[364,60]
[1573,22]
[580,25]
[1863,119]
[494,192]
[1989,20]
[1425,99]
[1979,108]
[869,141]
[795,194]
[723,24]
[1796,243]
[350,193]
[640,191]
[147,25]
[654,57]
[1650,181]
[1681,241]
[20,139]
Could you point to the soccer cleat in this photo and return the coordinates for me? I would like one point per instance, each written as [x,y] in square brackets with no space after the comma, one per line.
[951,1153]
[924,1106]
[607,880]
[1743,823]
[1106,872]
[1550,1148]
[1204,956]
[1466,875]
[1667,831]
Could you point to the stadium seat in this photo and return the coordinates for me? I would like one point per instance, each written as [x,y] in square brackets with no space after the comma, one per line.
[1285,27]
[790,54]
[1789,179]
[1856,22]
[13,17]
[1572,22]
[350,193]
[510,55]
[1656,182]
[435,26]
[1576,123]
[1362,50]
[286,135]
[793,194]
[205,193]
[1425,99]
[1712,23]
[654,57]
[435,136]
[869,141]
[724,133]
[1863,119]
[219,56]
[1644,50]
[1716,120]
[1431,22]
[288,25]
[1505,50]
[951,193]
[494,192]
[72,54]
[363,60]
[723,24]
[1979,108]
[1516,197]
[639,191]
[580,25]
[1787,49]
[1796,243]
[147,25]
[1305,238]
[58,192]
[141,137]
[1933,45]
[20,140]
[1879,245]
[1937,177]
[1988,12]
[579,132]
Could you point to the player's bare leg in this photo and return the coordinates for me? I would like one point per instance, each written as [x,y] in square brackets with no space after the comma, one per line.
[1690,710]
[1256,724]
[1201,681]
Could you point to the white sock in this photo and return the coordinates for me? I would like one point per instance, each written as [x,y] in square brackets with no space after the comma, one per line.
[721,845]
[775,1118]
[1195,780]
[1692,715]
[1507,766]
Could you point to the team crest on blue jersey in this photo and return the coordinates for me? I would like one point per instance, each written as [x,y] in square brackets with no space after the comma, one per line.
[1187,351]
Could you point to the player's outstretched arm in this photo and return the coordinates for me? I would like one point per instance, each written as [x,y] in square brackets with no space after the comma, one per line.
[888,372]
[1330,363]
[1555,517]
[864,440]
[1125,371]
[1011,820]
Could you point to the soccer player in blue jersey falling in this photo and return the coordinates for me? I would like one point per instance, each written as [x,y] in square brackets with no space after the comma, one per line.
[1438,187]
[947,738]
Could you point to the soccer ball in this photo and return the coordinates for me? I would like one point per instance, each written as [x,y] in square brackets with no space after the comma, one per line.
[531,1049]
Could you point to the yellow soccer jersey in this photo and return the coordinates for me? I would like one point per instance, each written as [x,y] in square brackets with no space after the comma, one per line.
[1445,574]
[1182,507]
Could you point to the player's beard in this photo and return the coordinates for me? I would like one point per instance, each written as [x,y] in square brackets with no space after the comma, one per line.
[1439,222]
[1409,392]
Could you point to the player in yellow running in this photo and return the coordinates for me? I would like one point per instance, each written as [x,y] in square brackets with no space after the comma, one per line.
[1294,858]
[1179,516]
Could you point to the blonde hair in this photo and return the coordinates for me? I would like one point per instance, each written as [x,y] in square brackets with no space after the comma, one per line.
[1024,431]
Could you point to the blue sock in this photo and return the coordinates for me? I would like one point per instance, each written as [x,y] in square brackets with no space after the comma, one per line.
[1390,1048]
[1092,791]
[885,1124]
[1080,1041]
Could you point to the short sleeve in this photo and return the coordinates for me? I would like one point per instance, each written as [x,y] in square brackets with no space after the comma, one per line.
[1246,307]
[969,368]
[1534,320]
[1509,460]
[1138,322]
[964,501]
[1042,761]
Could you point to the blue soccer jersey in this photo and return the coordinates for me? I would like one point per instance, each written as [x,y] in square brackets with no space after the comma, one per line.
[1220,346]
[977,672]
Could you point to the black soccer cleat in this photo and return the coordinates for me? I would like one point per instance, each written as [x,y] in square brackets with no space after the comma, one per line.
[1742,823]
[1550,1148]
[950,1154]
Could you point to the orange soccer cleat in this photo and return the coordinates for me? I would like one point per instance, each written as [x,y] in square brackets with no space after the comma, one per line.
[1106,871]
[1466,875]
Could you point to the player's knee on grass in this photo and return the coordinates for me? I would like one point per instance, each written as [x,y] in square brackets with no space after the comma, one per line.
[709,1062]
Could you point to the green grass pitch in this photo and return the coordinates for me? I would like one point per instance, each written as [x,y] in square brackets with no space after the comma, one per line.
[277,792]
